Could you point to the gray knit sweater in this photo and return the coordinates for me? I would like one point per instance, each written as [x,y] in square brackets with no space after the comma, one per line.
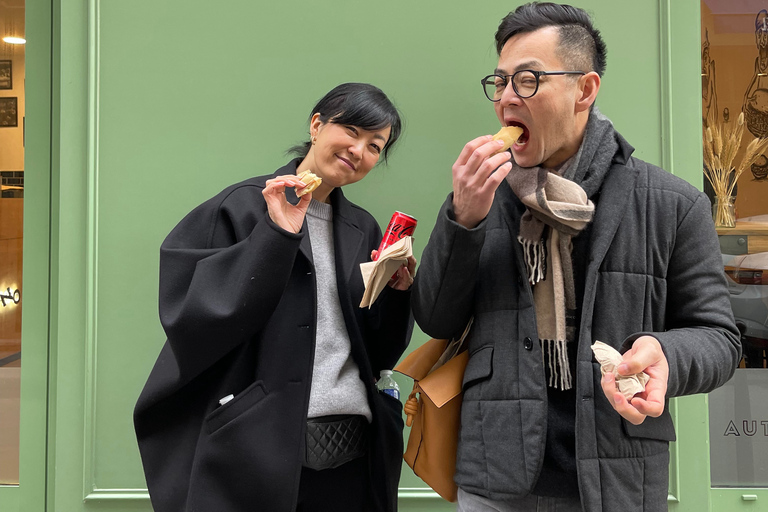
[336,385]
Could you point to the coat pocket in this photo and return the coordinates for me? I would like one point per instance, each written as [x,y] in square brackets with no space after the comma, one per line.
[242,402]
[479,367]
[660,429]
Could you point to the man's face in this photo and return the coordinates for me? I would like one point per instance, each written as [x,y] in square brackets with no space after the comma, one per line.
[549,117]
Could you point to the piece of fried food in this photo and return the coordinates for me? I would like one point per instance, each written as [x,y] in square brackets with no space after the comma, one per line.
[508,135]
[312,181]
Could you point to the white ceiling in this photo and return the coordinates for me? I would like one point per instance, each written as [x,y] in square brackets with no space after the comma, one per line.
[722,6]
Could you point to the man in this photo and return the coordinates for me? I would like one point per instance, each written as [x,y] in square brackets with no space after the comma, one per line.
[573,240]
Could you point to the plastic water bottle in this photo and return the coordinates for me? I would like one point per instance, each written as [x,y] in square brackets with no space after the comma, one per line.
[386,384]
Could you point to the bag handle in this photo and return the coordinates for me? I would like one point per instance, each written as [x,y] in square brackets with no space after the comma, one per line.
[411,406]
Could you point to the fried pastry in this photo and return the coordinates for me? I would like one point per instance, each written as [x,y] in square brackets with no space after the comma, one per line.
[508,135]
[311,180]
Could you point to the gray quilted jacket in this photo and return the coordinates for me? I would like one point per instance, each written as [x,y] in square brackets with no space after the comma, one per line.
[654,267]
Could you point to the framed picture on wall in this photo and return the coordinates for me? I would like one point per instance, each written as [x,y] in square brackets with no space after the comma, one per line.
[9,112]
[6,74]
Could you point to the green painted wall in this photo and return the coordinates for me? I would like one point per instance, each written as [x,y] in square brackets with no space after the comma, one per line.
[157,106]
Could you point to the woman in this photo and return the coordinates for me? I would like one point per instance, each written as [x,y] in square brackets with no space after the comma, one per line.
[268,354]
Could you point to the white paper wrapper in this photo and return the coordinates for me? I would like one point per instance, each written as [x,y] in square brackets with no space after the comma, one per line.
[376,274]
[609,358]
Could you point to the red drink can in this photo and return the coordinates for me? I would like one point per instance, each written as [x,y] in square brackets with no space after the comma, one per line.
[401,225]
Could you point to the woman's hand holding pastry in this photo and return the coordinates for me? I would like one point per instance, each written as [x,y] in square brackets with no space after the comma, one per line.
[286,215]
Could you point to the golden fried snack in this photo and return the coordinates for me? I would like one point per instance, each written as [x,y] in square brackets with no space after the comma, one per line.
[311,180]
[508,135]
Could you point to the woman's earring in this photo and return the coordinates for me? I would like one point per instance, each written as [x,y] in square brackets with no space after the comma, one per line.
[314,140]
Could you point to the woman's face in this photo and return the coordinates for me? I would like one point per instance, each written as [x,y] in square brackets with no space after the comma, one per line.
[344,154]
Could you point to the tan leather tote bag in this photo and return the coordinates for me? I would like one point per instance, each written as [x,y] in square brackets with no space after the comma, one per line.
[433,411]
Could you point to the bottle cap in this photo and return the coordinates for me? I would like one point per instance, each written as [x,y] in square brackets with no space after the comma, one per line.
[385,373]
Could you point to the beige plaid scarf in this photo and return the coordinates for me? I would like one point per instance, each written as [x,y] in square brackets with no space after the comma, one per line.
[557,209]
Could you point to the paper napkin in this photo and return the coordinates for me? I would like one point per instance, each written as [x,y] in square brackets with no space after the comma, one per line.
[376,274]
[609,358]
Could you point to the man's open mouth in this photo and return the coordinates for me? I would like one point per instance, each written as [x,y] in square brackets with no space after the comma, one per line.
[523,139]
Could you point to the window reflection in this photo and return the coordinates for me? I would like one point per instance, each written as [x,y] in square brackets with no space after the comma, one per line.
[748,286]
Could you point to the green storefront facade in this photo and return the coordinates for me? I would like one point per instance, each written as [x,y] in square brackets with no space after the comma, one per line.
[137,111]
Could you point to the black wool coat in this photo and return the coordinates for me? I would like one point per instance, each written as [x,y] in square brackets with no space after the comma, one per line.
[237,302]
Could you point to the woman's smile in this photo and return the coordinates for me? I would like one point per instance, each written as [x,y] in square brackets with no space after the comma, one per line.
[347,162]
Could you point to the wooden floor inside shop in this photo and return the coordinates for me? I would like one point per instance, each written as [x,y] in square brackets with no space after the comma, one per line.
[10,353]
[10,377]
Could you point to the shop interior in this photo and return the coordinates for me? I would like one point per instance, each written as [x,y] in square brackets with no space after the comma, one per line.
[11,226]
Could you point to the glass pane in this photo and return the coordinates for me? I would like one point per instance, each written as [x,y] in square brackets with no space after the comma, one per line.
[734,76]
[738,431]
[11,223]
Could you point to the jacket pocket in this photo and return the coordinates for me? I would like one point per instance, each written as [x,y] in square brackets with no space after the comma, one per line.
[244,400]
[479,367]
[660,429]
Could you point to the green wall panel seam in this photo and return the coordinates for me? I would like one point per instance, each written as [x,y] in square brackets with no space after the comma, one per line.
[665,75]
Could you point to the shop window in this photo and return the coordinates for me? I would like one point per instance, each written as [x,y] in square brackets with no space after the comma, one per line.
[734,78]
[11,224]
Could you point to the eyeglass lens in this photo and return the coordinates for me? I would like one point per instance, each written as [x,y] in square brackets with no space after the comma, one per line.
[524,83]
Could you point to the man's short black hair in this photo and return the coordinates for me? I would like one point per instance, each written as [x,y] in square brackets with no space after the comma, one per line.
[580,46]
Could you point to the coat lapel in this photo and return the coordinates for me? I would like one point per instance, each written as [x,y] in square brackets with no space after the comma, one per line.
[614,198]
[347,236]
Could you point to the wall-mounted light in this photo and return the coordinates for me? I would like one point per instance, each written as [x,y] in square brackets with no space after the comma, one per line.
[14,40]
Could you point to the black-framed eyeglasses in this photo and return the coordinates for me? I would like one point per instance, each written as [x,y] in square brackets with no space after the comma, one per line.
[525,82]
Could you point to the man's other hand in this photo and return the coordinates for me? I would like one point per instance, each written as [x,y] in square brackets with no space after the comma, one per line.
[646,356]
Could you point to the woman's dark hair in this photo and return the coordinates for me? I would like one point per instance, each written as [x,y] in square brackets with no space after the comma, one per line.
[580,45]
[356,104]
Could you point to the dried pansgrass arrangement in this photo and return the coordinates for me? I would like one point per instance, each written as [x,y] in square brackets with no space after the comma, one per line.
[721,143]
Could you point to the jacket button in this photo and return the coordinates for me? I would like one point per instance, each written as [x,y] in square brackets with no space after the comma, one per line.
[528,343]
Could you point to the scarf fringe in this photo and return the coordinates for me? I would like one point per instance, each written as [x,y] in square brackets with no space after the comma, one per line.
[556,354]
[535,259]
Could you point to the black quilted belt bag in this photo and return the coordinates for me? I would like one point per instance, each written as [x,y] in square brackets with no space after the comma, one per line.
[334,440]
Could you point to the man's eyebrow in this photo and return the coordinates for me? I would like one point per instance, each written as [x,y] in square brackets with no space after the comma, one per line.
[531,64]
